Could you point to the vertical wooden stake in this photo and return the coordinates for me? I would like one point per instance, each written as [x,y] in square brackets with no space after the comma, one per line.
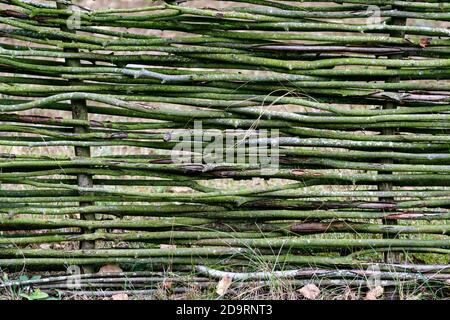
[79,111]
[391,257]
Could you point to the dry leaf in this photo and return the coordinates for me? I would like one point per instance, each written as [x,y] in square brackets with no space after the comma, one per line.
[349,294]
[223,285]
[310,291]
[425,42]
[167,284]
[120,296]
[375,293]
[110,268]
[167,246]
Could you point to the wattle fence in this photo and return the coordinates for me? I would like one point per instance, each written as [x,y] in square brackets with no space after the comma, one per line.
[341,110]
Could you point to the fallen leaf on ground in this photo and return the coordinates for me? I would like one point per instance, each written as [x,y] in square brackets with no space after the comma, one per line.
[110,268]
[349,294]
[375,293]
[120,296]
[310,291]
[166,284]
[223,285]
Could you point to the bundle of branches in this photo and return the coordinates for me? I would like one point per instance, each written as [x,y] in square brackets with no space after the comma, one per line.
[351,102]
[150,282]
